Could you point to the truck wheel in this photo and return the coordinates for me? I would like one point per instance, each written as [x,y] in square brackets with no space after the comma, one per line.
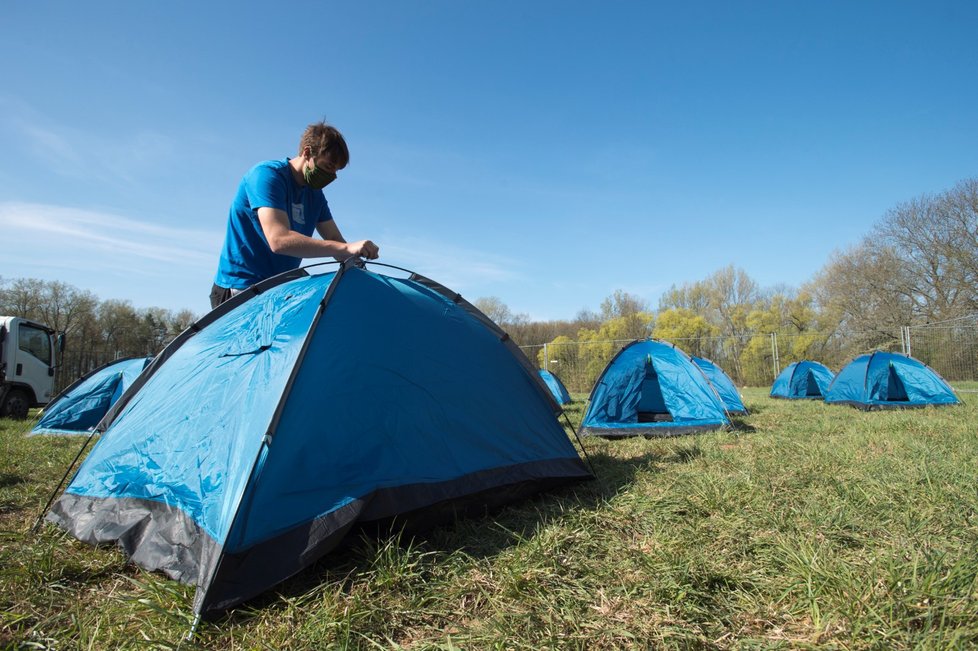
[16,405]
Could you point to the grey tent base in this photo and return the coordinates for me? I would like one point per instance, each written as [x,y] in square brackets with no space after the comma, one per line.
[798,397]
[648,432]
[153,535]
[157,536]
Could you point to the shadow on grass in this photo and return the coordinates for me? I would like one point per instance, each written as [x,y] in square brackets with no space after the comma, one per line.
[8,479]
[741,426]
[684,454]
[85,575]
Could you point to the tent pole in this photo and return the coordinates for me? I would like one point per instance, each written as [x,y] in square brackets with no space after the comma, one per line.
[580,442]
[273,424]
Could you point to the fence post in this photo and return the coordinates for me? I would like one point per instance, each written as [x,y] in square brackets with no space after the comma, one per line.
[906,330]
[546,358]
[774,354]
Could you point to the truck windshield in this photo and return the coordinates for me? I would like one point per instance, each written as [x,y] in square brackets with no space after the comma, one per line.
[35,341]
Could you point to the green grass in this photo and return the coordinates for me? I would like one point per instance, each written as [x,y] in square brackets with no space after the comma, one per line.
[807,526]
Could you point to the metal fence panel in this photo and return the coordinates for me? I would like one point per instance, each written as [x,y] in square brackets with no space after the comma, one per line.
[952,351]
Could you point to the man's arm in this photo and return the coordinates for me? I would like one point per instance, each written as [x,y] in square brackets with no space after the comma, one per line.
[285,241]
[329,231]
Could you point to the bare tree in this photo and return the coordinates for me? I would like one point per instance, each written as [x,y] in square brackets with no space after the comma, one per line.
[494,308]
[586,318]
[918,265]
[24,298]
[920,237]
[863,290]
[960,206]
[621,303]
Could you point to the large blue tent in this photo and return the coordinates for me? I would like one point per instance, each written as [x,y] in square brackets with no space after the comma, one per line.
[883,380]
[80,407]
[556,387]
[309,406]
[723,384]
[652,388]
[804,380]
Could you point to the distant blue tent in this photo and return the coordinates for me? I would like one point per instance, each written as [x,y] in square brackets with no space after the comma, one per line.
[306,408]
[804,380]
[652,388]
[884,380]
[723,384]
[556,387]
[79,408]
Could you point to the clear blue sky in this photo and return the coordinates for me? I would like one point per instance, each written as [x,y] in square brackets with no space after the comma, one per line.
[547,153]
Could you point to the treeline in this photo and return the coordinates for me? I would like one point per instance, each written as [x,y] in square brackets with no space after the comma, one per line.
[917,266]
[96,331]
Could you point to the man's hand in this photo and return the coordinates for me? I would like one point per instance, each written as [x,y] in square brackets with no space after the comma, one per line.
[364,249]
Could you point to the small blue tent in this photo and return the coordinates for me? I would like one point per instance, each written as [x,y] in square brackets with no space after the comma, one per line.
[556,387]
[307,407]
[884,380]
[723,384]
[652,388]
[79,408]
[804,380]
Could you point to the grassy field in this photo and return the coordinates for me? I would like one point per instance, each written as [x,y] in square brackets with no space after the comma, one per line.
[807,526]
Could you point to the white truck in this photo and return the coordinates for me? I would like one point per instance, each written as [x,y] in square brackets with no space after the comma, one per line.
[28,353]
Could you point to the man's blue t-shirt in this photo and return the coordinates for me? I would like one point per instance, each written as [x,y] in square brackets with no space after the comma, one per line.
[246,257]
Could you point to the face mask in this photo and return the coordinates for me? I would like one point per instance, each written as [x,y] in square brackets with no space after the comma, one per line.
[317,177]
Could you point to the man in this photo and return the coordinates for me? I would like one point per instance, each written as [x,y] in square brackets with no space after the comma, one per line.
[278,206]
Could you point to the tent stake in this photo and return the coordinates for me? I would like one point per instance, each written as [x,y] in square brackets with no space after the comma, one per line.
[193,629]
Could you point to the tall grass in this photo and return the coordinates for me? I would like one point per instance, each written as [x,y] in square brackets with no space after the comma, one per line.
[806,526]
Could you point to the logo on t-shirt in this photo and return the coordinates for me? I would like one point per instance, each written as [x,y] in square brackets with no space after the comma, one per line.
[298,216]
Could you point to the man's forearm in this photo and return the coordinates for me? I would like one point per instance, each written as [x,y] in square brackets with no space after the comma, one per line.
[301,246]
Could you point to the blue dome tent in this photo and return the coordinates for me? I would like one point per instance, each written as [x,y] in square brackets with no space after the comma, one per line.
[556,387]
[723,384]
[884,380]
[309,406]
[80,407]
[804,380]
[652,388]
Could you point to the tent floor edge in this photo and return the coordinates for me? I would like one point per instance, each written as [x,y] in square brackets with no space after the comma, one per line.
[158,537]
[382,512]
[650,432]
[891,406]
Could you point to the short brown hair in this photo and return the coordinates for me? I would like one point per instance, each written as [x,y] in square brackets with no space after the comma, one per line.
[325,140]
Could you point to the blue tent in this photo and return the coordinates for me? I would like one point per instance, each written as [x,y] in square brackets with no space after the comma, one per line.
[652,388]
[79,408]
[556,387]
[804,380]
[307,407]
[723,384]
[884,380]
